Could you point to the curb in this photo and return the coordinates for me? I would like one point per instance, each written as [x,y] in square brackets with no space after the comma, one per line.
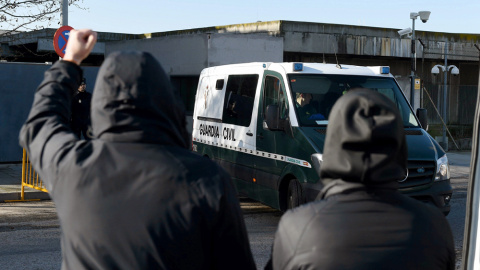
[34,195]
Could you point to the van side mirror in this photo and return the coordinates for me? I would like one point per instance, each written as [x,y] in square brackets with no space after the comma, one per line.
[272,117]
[317,160]
[422,117]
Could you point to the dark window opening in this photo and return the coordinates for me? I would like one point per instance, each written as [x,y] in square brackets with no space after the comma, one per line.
[219,84]
[239,98]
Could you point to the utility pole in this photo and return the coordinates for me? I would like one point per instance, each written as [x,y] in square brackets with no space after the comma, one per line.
[454,71]
[444,134]
[424,15]
[414,63]
[64,14]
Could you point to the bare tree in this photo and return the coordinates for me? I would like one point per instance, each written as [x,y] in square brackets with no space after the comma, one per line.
[27,15]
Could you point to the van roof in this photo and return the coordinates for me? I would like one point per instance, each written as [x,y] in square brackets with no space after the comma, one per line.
[334,69]
[307,68]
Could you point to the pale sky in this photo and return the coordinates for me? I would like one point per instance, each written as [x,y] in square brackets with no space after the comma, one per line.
[149,16]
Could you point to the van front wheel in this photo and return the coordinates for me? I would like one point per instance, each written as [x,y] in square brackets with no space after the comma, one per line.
[293,194]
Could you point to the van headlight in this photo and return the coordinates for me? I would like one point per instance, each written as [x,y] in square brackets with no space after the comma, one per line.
[443,170]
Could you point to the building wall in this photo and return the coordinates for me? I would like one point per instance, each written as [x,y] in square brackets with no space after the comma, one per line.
[18,82]
[17,86]
[346,44]
[375,41]
[242,48]
[189,54]
[179,55]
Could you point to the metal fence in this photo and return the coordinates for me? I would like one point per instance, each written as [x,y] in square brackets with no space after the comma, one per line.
[461,102]
[30,179]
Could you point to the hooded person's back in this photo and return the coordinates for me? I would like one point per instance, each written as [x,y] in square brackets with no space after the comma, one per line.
[133,197]
[360,220]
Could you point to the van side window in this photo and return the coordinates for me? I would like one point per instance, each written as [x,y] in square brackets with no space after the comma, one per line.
[274,94]
[219,84]
[239,97]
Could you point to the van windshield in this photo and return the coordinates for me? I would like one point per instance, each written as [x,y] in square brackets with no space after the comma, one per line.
[315,95]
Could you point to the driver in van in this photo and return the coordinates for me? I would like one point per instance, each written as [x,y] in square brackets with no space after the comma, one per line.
[306,111]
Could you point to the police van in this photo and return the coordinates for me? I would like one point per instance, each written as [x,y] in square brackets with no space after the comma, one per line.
[262,122]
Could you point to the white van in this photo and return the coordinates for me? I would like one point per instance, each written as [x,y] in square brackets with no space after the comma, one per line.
[263,121]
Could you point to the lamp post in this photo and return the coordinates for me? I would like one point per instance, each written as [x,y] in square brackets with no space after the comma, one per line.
[424,15]
[454,71]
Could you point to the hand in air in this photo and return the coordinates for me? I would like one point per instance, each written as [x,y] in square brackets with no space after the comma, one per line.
[80,44]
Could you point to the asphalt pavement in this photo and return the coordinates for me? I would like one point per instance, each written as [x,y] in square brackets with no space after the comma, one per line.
[11,177]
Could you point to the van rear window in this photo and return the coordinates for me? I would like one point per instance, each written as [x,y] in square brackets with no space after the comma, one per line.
[239,97]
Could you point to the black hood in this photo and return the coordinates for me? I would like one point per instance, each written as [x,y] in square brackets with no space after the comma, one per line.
[133,101]
[365,141]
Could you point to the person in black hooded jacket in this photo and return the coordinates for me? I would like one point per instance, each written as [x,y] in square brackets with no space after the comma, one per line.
[80,121]
[133,197]
[360,220]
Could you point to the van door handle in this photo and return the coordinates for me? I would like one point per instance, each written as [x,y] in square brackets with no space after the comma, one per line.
[249,134]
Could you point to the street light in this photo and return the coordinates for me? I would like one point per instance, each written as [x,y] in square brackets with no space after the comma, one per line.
[453,68]
[454,71]
[424,15]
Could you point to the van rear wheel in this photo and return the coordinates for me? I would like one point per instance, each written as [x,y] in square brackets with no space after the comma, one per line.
[293,194]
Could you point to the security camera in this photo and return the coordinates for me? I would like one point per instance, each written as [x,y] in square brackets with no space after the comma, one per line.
[435,70]
[424,15]
[405,31]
